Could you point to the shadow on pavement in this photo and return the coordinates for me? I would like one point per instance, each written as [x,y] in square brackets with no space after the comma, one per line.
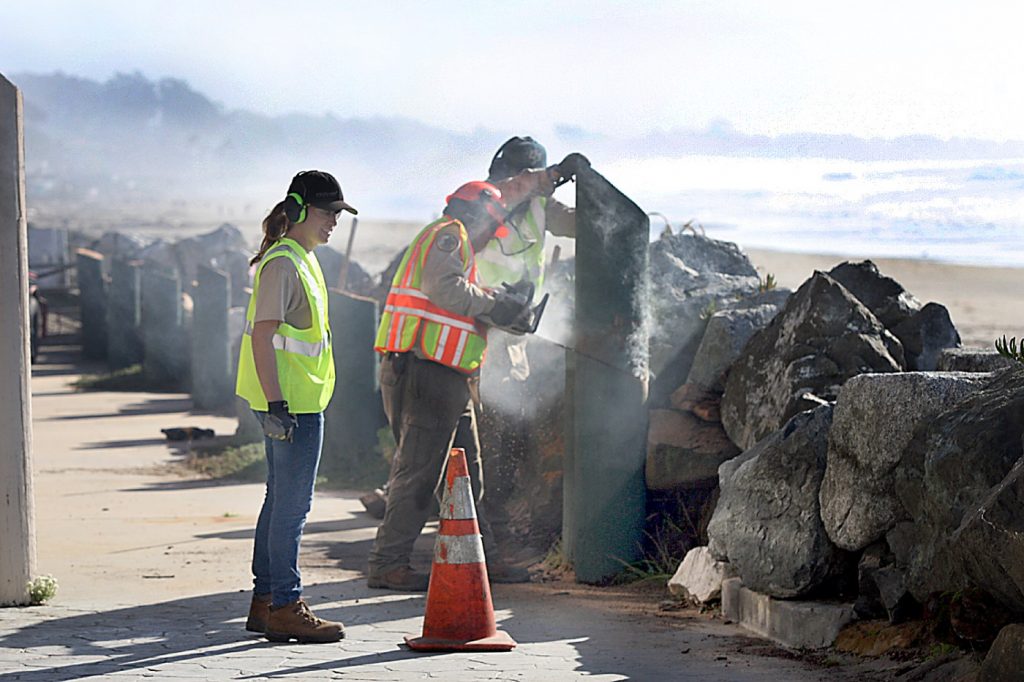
[114,444]
[150,406]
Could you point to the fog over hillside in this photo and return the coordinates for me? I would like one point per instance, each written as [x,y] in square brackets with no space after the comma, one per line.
[131,146]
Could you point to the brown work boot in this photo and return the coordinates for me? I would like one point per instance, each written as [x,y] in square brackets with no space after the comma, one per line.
[402,578]
[296,621]
[259,611]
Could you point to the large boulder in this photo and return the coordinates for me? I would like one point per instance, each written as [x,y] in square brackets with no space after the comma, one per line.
[1003,661]
[875,417]
[684,450]
[822,337]
[767,523]
[692,277]
[972,360]
[924,336]
[924,332]
[726,334]
[949,468]
[989,544]
[884,297]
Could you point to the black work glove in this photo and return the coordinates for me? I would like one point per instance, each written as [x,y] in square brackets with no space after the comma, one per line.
[507,308]
[279,424]
[573,164]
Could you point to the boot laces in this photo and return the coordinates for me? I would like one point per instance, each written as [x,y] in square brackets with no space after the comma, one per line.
[308,616]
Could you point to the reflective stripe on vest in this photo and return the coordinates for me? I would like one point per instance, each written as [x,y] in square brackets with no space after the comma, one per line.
[305,362]
[495,267]
[450,339]
[291,345]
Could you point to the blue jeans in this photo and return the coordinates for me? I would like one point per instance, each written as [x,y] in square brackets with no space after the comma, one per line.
[291,473]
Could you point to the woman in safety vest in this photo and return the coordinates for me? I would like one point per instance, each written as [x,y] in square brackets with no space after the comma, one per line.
[286,373]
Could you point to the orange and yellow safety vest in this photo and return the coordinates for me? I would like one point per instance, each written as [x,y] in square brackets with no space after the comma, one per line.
[452,340]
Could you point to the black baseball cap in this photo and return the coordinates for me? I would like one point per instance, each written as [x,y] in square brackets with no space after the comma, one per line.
[320,189]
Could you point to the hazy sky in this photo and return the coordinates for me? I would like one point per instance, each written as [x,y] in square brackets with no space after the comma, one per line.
[870,68]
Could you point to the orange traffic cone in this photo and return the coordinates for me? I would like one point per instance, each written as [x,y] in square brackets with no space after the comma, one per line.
[460,616]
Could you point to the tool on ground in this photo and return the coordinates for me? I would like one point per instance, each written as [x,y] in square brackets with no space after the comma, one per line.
[187,433]
[519,294]
[460,614]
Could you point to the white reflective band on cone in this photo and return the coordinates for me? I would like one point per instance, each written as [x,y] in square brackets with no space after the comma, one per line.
[457,504]
[459,549]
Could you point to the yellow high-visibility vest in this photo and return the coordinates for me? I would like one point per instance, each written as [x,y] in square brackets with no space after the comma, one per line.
[305,363]
[452,340]
[525,259]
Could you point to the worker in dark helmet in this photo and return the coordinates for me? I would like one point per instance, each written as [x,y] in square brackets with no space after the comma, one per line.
[433,334]
[519,168]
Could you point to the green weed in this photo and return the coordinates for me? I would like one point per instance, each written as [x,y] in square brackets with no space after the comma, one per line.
[1009,348]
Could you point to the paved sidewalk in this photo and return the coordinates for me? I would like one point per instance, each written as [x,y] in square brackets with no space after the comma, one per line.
[153,573]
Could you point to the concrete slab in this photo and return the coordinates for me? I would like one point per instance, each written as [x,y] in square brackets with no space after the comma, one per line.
[795,624]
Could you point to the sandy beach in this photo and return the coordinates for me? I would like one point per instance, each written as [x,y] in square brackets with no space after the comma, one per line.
[984,302]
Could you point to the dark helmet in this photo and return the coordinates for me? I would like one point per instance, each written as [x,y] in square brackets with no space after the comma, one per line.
[515,156]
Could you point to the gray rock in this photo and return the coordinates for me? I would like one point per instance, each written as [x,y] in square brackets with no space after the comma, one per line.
[972,360]
[726,334]
[120,245]
[767,523]
[699,577]
[989,544]
[357,280]
[874,420]
[683,450]
[949,468]
[822,337]
[884,297]
[1003,661]
[691,277]
[925,335]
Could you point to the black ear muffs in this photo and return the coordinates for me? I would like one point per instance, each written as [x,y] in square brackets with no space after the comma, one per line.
[295,207]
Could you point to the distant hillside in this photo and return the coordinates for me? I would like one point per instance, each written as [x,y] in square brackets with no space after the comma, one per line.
[132,137]
[132,140]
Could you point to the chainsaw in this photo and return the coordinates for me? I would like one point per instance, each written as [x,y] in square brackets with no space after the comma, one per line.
[527,321]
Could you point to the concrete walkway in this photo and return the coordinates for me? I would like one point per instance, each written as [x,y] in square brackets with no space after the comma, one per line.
[153,574]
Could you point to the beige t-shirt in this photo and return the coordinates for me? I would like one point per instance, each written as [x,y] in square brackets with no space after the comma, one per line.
[281,296]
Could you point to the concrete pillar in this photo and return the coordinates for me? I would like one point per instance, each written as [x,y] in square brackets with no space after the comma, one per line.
[17,519]
[92,299]
[166,353]
[605,496]
[355,414]
[213,385]
[124,305]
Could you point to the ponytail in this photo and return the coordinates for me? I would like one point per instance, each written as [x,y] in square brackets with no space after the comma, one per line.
[275,227]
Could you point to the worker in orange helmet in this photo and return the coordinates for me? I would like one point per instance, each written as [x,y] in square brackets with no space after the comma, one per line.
[433,336]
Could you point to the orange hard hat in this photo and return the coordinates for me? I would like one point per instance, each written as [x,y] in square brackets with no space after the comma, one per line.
[486,195]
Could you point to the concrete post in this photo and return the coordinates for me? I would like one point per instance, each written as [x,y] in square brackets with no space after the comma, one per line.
[92,299]
[355,414]
[17,518]
[124,340]
[605,496]
[213,385]
[165,351]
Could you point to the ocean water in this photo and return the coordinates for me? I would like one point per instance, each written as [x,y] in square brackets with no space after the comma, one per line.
[960,211]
